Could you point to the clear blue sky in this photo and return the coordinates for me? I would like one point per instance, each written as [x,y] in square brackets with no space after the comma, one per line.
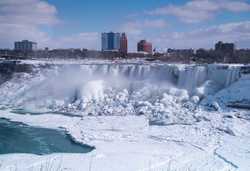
[166,23]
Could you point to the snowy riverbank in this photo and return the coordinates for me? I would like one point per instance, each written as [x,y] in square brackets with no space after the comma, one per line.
[129,143]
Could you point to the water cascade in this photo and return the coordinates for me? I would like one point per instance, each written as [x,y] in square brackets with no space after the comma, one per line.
[116,89]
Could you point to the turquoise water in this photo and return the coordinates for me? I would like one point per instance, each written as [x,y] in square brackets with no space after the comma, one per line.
[20,138]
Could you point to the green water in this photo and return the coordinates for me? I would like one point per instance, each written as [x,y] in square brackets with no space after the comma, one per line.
[20,138]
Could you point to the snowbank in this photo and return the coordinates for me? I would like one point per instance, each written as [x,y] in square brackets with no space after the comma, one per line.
[124,143]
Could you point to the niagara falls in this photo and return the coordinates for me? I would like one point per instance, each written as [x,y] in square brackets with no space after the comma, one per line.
[174,116]
[125,85]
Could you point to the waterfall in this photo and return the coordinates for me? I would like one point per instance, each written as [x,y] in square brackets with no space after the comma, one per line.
[116,88]
[184,77]
[192,77]
[223,75]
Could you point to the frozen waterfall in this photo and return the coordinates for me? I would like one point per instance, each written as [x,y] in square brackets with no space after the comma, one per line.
[186,77]
[157,90]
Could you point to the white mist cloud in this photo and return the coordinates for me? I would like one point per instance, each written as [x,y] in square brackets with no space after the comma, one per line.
[89,40]
[201,10]
[23,19]
[12,32]
[238,33]
[27,12]
[137,27]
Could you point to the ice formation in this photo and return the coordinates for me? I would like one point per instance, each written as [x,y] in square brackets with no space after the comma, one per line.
[163,92]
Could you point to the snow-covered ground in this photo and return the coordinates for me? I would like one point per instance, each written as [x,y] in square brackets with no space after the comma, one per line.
[129,143]
[137,116]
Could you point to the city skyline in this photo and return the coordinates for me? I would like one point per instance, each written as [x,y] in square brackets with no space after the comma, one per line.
[167,24]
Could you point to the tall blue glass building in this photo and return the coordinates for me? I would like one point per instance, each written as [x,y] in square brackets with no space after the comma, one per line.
[111,41]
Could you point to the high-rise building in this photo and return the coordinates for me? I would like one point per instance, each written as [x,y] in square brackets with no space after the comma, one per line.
[25,45]
[144,46]
[111,41]
[117,41]
[124,44]
[225,47]
[104,41]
